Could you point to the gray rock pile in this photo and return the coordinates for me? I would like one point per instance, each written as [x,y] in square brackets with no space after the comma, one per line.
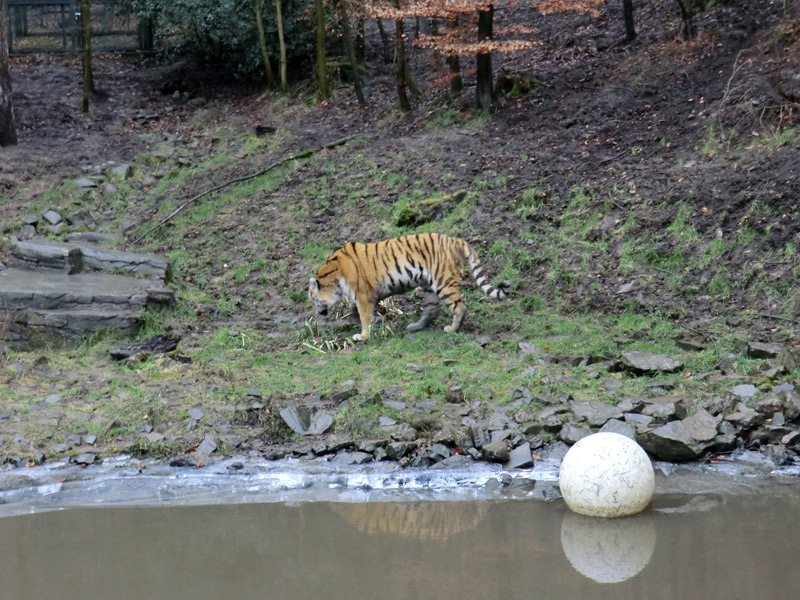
[671,427]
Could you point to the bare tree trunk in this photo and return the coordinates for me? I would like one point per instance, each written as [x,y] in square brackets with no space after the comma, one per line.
[411,81]
[483,89]
[281,45]
[262,43]
[351,53]
[456,83]
[323,88]
[86,52]
[8,130]
[627,17]
[385,40]
[400,69]
[361,45]
[688,31]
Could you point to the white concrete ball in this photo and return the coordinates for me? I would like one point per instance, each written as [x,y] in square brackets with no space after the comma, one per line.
[606,475]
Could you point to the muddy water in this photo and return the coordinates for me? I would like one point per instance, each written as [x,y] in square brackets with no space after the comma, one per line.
[692,547]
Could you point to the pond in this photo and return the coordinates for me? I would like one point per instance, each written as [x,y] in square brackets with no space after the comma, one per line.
[703,537]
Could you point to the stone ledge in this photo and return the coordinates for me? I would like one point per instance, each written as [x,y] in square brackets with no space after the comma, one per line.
[75,257]
[20,289]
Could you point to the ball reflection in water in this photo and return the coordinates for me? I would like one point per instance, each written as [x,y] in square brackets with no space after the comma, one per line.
[608,550]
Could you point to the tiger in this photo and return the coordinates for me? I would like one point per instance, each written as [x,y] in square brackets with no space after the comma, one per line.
[368,273]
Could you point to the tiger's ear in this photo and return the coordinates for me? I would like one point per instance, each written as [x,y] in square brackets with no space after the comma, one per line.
[313,285]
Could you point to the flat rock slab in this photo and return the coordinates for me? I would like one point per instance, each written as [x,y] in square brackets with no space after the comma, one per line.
[41,308]
[21,289]
[644,363]
[307,420]
[78,256]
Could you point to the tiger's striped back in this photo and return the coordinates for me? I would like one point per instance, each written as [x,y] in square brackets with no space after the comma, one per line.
[368,273]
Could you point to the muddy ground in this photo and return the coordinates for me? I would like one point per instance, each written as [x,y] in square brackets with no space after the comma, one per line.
[656,123]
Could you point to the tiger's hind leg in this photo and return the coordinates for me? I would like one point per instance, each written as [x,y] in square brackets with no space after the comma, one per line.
[430,308]
[366,309]
[452,297]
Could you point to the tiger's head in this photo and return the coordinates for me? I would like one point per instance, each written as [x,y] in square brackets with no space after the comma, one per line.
[323,297]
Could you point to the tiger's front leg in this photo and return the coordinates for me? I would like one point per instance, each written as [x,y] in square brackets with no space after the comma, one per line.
[366,308]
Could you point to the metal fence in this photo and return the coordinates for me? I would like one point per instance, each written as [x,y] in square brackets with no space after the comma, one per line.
[53,26]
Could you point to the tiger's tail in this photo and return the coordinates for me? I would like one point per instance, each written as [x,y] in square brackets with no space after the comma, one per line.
[502,289]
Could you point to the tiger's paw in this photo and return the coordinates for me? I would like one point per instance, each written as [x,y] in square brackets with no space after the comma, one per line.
[450,328]
[360,338]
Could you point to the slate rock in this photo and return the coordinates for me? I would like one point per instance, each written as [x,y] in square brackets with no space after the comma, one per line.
[644,363]
[572,434]
[660,411]
[483,341]
[86,459]
[612,384]
[554,452]
[681,440]
[195,413]
[405,433]
[769,405]
[52,217]
[454,394]
[744,390]
[727,438]
[691,345]
[208,445]
[397,450]
[594,412]
[307,421]
[763,350]
[727,363]
[368,445]
[499,435]
[438,452]
[122,171]
[551,411]
[520,457]
[480,435]
[420,461]
[85,182]
[457,461]
[81,217]
[745,419]
[347,392]
[620,427]
[352,458]
[496,452]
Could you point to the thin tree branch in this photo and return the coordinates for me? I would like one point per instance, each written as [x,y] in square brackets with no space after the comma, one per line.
[267,169]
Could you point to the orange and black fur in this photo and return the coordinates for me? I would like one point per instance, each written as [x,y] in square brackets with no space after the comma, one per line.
[368,273]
